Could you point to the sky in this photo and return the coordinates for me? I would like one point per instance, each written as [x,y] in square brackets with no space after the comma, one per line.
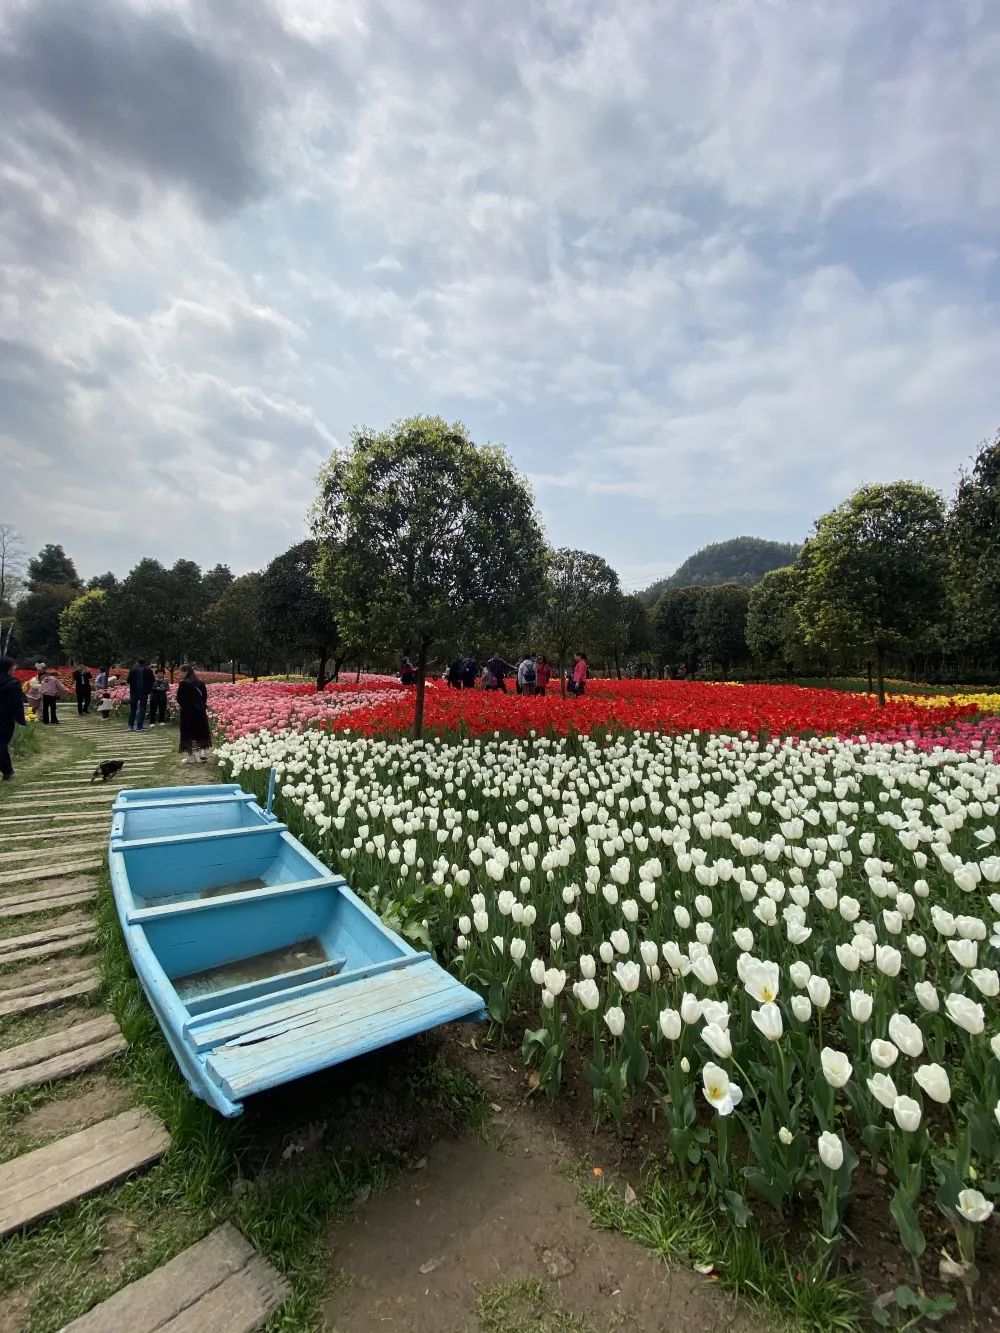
[702,268]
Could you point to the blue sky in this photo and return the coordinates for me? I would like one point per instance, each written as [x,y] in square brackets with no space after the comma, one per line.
[702,268]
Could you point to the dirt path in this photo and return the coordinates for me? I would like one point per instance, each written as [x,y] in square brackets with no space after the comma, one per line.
[500,1215]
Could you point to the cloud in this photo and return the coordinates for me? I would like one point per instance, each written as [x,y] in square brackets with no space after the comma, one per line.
[704,268]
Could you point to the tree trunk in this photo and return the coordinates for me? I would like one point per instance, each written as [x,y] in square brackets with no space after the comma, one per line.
[232,670]
[321,674]
[618,666]
[880,673]
[418,703]
[871,686]
[357,678]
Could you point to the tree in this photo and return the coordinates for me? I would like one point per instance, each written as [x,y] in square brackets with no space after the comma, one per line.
[297,617]
[773,630]
[186,639]
[632,635]
[142,607]
[37,616]
[426,538]
[105,582]
[580,605]
[675,632]
[974,553]
[87,629]
[52,566]
[11,582]
[236,623]
[214,583]
[873,571]
[720,625]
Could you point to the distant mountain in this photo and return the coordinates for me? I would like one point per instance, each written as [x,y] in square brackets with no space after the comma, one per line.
[742,560]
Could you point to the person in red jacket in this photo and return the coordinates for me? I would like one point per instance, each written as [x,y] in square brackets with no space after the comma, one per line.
[578,681]
[543,674]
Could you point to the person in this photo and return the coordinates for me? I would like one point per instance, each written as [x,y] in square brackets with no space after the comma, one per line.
[499,670]
[51,690]
[101,683]
[526,675]
[407,672]
[158,699]
[470,672]
[192,704]
[140,685]
[543,674]
[104,706]
[577,683]
[454,674]
[82,684]
[35,691]
[11,714]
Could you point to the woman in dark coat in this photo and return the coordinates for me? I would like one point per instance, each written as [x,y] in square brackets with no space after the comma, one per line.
[192,704]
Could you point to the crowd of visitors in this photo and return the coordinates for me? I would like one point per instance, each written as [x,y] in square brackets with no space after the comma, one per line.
[530,676]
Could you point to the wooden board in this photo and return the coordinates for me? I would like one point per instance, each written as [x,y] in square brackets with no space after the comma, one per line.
[38,995]
[220,1285]
[27,854]
[63,831]
[68,1051]
[29,906]
[49,889]
[13,945]
[28,953]
[37,1183]
[31,873]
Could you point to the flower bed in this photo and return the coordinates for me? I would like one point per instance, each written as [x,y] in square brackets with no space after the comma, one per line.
[786,944]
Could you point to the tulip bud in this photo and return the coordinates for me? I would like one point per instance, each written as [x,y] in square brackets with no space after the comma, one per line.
[607,953]
[670,1024]
[831,1151]
[934,1081]
[836,1066]
[819,991]
[588,968]
[615,1019]
[785,1135]
[907,1113]
[801,1007]
[861,1006]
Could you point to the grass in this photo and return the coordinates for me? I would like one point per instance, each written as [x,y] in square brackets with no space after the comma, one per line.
[530,1306]
[686,1230]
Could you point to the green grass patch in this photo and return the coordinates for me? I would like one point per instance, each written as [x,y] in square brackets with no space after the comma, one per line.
[687,1230]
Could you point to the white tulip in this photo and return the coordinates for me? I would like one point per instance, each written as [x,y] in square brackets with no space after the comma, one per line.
[836,1067]
[715,1011]
[690,1008]
[615,1019]
[848,957]
[801,1007]
[785,1135]
[717,1040]
[800,974]
[831,1150]
[819,991]
[481,921]
[628,976]
[973,1206]
[917,945]
[649,953]
[587,993]
[883,1090]
[630,910]
[907,1036]
[767,1019]
[670,1024]
[683,917]
[964,952]
[934,1081]
[719,1091]
[537,971]
[620,940]
[548,999]
[705,970]
[986,980]
[907,1113]
[588,968]
[573,924]
[744,939]
[965,1013]
[861,1006]
[888,960]
[927,996]
[884,1053]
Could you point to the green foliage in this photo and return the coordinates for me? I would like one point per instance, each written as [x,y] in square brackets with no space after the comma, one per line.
[235,624]
[903,1308]
[142,611]
[214,583]
[631,631]
[297,616]
[580,608]
[974,553]
[720,625]
[87,629]
[774,634]
[873,571]
[105,582]
[675,627]
[426,538]
[742,560]
[52,566]
[36,625]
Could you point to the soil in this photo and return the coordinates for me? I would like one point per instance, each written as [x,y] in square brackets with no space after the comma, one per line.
[476,1214]
[15,1309]
[102,1099]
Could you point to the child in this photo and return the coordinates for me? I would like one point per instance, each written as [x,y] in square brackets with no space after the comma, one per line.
[105,706]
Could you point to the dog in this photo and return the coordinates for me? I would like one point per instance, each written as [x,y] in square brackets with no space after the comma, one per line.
[108,768]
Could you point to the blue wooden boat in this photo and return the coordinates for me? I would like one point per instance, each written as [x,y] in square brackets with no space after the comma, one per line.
[260,964]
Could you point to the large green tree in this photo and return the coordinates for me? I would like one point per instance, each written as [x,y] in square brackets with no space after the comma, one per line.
[236,624]
[675,628]
[36,625]
[106,581]
[773,629]
[186,639]
[87,629]
[142,605]
[873,572]
[298,619]
[631,632]
[426,539]
[52,566]
[580,606]
[974,553]
[214,583]
[721,623]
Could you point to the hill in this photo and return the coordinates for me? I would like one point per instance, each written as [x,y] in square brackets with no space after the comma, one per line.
[742,560]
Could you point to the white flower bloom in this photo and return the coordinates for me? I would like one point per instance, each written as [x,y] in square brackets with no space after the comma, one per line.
[620,940]
[964,952]
[785,1135]
[907,1036]
[974,1206]
[690,1008]
[927,996]
[767,1020]
[705,970]
[986,980]
[818,989]
[606,952]
[965,1013]
[717,1040]
[883,1090]
[907,1113]
[888,960]
[615,1019]
[934,1081]
[670,1024]
[884,1053]
[836,1066]
[848,957]
[628,976]
[573,924]
[861,1006]
[831,1150]
[588,968]
[587,993]
[481,921]
[800,974]
[801,1007]
[719,1091]
[537,971]
[744,939]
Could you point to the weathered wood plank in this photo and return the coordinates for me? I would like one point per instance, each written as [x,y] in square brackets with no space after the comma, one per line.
[27,854]
[24,955]
[32,999]
[62,1066]
[54,931]
[219,1285]
[31,873]
[37,1183]
[30,906]
[50,889]
[68,1051]
[13,983]
[63,831]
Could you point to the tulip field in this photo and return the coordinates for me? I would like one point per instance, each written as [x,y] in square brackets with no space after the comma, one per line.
[741,908]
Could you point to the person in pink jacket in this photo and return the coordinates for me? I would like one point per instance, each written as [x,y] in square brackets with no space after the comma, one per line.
[51,689]
[578,680]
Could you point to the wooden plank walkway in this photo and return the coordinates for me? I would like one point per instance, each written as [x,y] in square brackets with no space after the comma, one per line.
[37,1183]
[54,938]
[219,1285]
[68,1051]
[32,996]
[31,873]
[28,854]
[44,903]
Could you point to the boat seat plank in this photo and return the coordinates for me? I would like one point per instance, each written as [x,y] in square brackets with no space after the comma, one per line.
[219,1285]
[213,1001]
[39,1182]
